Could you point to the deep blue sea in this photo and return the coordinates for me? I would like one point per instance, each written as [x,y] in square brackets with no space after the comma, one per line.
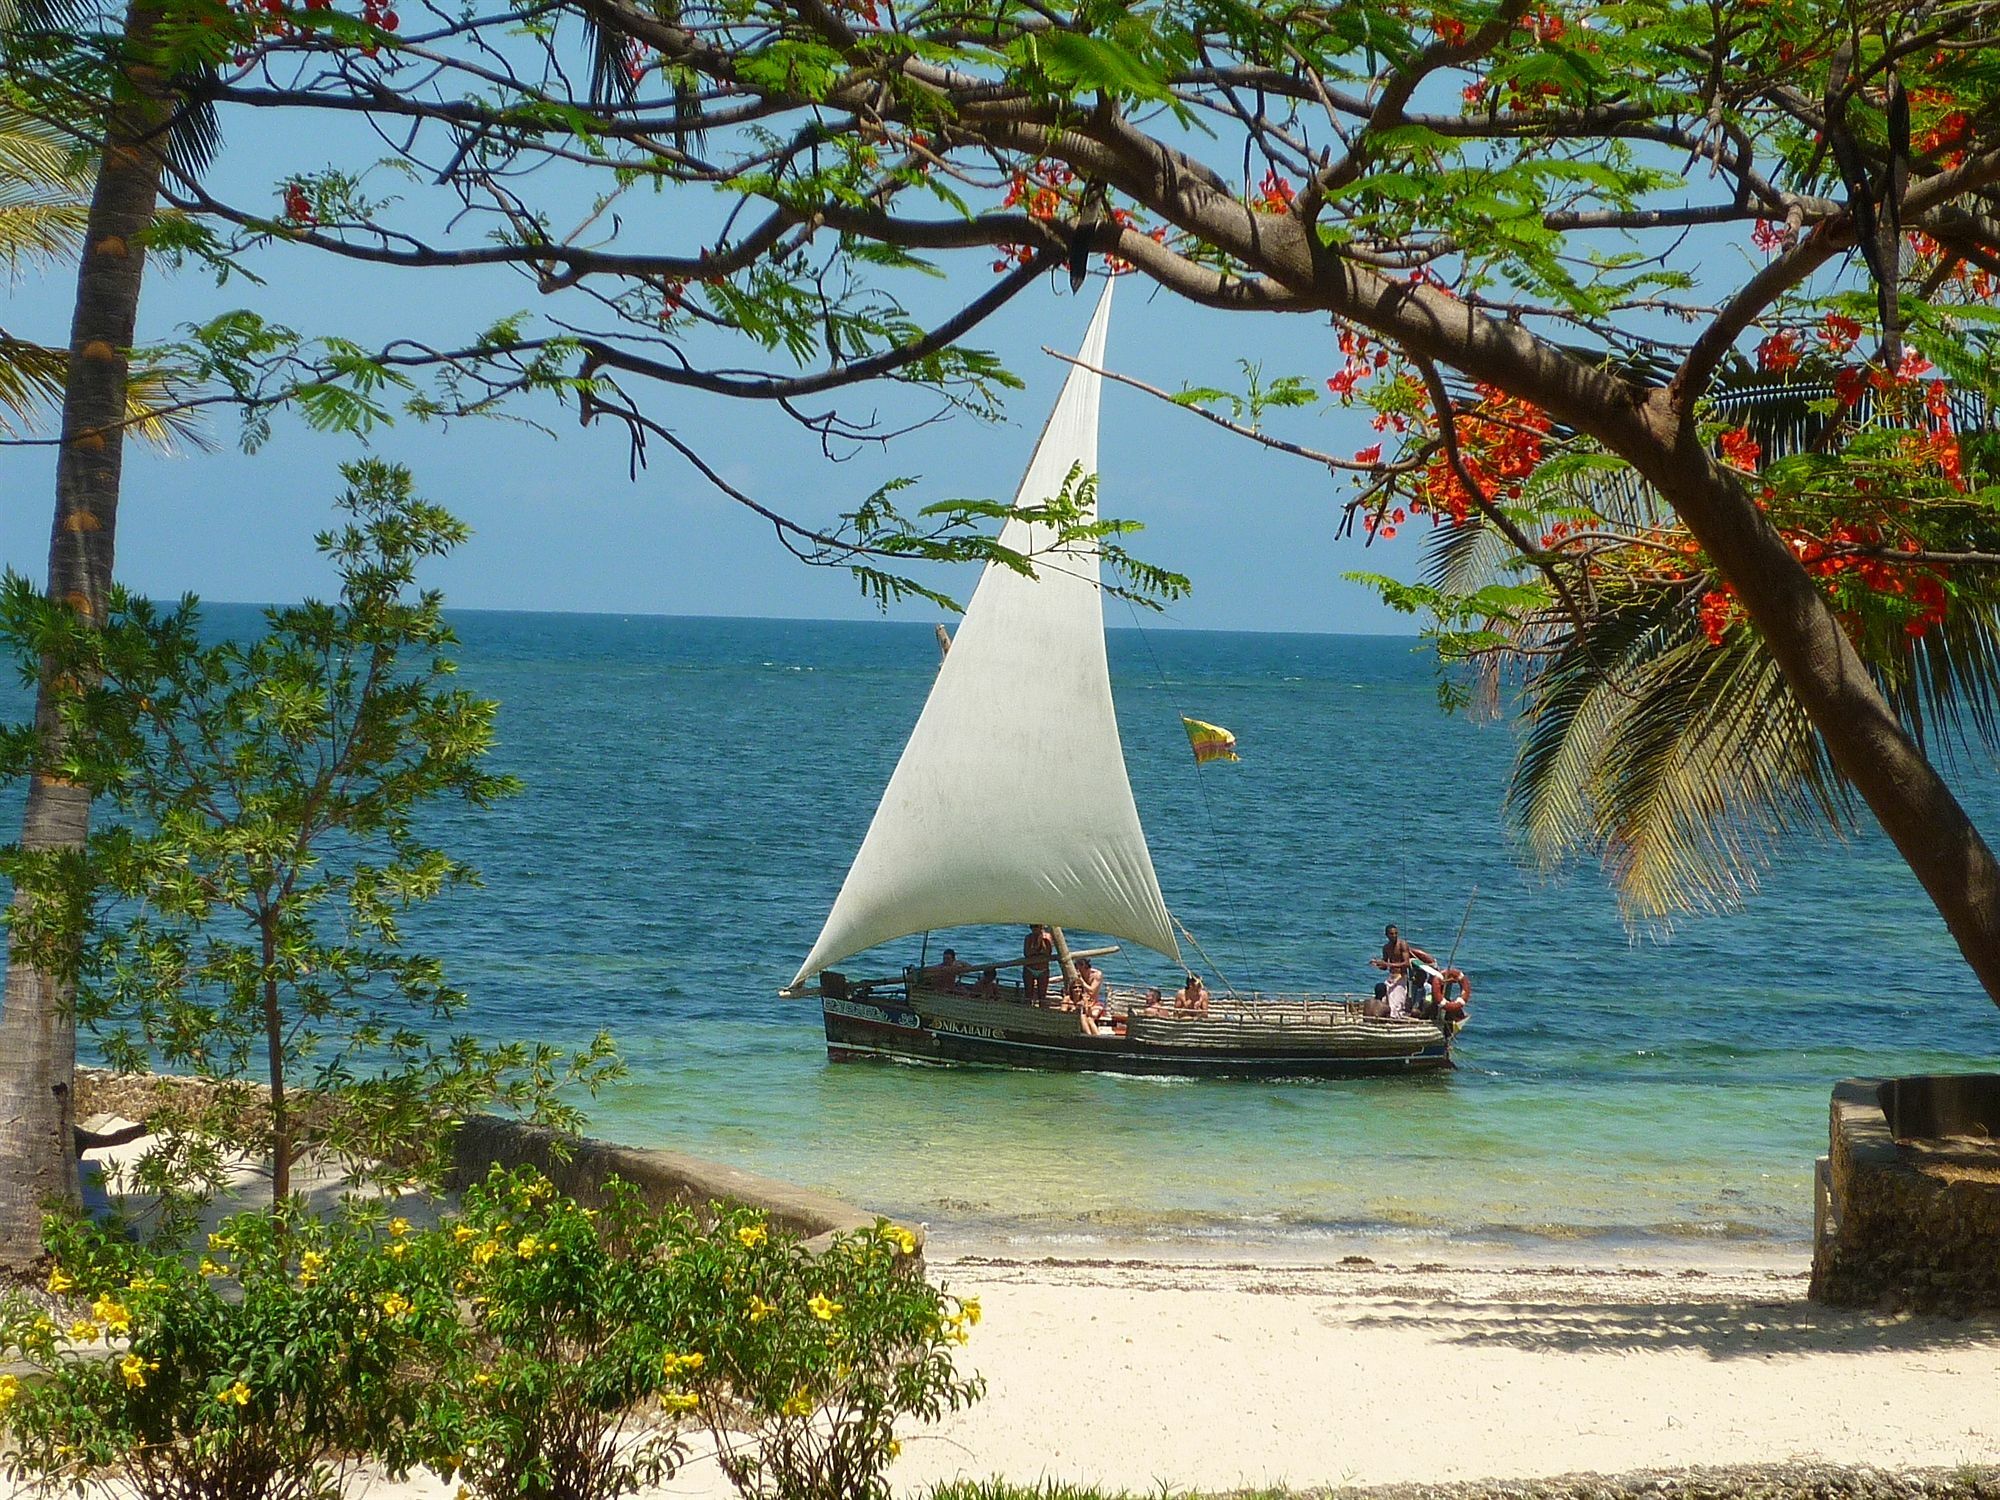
[695,789]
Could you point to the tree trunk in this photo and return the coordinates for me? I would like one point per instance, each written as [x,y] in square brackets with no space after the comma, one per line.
[1873,750]
[274,1038]
[37,1021]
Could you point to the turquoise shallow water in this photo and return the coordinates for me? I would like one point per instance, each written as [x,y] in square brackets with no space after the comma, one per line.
[696,789]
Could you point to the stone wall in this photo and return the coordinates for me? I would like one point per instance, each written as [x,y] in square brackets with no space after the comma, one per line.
[1910,1210]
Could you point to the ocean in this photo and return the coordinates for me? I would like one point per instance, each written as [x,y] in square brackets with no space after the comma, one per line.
[695,789]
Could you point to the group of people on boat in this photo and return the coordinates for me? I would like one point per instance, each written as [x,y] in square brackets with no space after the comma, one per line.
[1083,989]
[1416,987]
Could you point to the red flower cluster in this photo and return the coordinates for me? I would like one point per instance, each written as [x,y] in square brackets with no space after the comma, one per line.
[1768,236]
[1740,450]
[1719,611]
[1363,361]
[1448,29]
[1275,195]
[1501,440]
[1040,189]
[1838,555]
[269,20]
[298,205]
[1779,352]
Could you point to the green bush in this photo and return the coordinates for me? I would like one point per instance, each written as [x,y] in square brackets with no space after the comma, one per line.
[592,1341]
[264,1372]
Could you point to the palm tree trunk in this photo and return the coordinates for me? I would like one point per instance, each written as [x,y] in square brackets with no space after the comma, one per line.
[37,1022]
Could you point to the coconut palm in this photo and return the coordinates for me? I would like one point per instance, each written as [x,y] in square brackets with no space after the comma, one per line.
[143,120]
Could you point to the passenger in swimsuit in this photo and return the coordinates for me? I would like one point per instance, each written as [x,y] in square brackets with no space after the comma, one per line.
[1036,948]
[988,987]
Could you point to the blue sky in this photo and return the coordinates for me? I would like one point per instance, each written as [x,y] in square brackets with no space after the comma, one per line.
[561,525]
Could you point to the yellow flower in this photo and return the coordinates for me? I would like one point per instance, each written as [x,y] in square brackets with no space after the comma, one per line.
[968,1309]
[798,1404]
[482,1378]
[396,1305]
[144,1283]
[234,1395]
[905,1240]
[528,1247]
[397,1249]
[760,1309]
[678,1401]
[399,1227]
[114,1314]
[221,1242]
[895,1447]
[134,1369]
[750,1236]
[673,1364]
[60,1281]
[210,1268]
[824,1307]
[485,1250]
[310,1265]
[460,1233]
[84,1331]
[10,1390]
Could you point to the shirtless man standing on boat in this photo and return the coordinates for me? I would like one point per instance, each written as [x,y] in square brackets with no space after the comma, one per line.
[1038,947]
[1400,959]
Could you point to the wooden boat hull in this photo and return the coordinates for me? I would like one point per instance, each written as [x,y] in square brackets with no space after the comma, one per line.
[915,1025]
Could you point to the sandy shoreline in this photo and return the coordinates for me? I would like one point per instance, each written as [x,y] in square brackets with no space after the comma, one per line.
[1136,1373]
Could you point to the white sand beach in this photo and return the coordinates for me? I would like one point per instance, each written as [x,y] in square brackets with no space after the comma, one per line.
[1140,1374]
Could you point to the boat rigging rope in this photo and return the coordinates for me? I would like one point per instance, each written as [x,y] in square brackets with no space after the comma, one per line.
[1207,806]
[1204,954]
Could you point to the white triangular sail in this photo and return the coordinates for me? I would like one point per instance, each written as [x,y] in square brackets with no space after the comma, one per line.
[1011,803]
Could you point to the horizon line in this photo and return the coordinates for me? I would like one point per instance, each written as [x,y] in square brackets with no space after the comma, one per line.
[642,614]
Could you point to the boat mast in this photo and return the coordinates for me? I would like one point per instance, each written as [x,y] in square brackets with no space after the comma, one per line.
[1063,957]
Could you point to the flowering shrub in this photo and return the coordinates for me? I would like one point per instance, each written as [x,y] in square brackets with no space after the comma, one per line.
[531,1349]
[593,1340]
[263,1373]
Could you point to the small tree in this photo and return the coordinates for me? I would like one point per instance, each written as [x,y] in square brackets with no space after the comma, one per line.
[246,909]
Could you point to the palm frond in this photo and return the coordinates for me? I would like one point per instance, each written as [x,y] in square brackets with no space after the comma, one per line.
[32,377]
[44,191]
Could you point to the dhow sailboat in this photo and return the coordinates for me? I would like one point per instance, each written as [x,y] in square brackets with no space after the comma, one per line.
[1011,805]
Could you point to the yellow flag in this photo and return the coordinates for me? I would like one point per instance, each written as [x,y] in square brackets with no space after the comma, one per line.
[1210,741]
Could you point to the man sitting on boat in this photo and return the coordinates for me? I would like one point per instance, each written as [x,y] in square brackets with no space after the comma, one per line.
[1192,998]
[1087,993]
[944,974]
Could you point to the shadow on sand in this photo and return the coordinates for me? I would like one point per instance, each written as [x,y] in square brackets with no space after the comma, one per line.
[1720,1328]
